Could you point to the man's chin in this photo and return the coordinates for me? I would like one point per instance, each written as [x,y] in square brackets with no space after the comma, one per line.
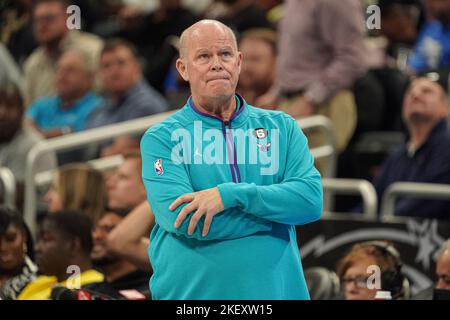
[418,118]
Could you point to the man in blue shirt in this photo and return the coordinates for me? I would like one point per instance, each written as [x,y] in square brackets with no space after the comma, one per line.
[69,109]
[128,95]
[425,157]
[227,183]
[432,50]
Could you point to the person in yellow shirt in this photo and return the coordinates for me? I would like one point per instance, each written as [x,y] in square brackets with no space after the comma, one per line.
[63,255]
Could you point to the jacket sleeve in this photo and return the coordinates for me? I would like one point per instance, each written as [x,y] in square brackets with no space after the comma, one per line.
[172,181]
[297,200]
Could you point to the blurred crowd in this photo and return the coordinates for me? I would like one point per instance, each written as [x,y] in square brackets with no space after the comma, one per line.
[385,90]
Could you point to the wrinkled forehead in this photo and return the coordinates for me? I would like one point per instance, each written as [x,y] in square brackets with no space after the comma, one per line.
[425,84]
[208,36]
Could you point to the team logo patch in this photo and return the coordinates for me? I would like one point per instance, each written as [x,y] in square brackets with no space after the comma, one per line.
[260,133]
[158,167]
[264,147]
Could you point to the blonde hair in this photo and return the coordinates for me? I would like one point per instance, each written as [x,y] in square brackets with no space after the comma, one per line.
[82,187]
[363,251]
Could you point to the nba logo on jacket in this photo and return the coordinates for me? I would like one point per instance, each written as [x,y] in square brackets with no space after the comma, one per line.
[158,167]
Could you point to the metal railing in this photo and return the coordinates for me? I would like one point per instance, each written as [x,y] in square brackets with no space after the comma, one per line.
[327,151]
[8,183]
[103,164]
[73,141]
[354,187]
[414,190]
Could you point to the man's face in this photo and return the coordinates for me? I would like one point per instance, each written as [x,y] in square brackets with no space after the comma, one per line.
[258,65]
[398,23]
[119,70]
[125,187]
[72,78]
[424,102]
[10,116]
[49,22]
[52,250]
[439,9]
[443,271]
[100,234]
[211,63]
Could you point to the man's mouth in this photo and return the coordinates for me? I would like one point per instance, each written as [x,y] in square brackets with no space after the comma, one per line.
[219,78]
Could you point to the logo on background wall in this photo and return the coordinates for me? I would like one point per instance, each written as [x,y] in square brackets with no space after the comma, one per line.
[158,167]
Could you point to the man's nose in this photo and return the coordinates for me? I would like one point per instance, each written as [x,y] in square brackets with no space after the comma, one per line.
[97,235]
[216,65]
[442,285]
[110,183]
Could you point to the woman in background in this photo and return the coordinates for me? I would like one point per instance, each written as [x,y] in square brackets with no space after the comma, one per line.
[78,187]
[17,268]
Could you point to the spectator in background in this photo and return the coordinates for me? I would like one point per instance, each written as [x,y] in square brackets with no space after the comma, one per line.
[78,187]
[17,268]
[443,267]
[321,53]
[16,28]
[68,111]
[432,49]
[129,96]
[119,274]
[354,271]
[17,140]
[9,72]
[259,50]
[400,23]
[442,274]
[125,187]
[239,15]
[64,240]
[130,238]
[53,37]
[156,38]
[425,157]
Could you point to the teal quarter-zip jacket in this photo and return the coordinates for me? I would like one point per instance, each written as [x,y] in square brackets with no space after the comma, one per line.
[261,164]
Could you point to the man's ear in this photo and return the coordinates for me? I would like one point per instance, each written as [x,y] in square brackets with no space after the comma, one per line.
[239,61]
[182,69]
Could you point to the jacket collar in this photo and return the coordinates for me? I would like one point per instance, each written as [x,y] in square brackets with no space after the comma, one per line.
[238,118]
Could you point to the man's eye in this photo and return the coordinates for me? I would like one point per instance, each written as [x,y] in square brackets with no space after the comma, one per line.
[203,56]
[226,54]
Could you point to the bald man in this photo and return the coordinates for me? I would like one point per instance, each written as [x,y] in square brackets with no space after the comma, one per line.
[225,191]
[443,267]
